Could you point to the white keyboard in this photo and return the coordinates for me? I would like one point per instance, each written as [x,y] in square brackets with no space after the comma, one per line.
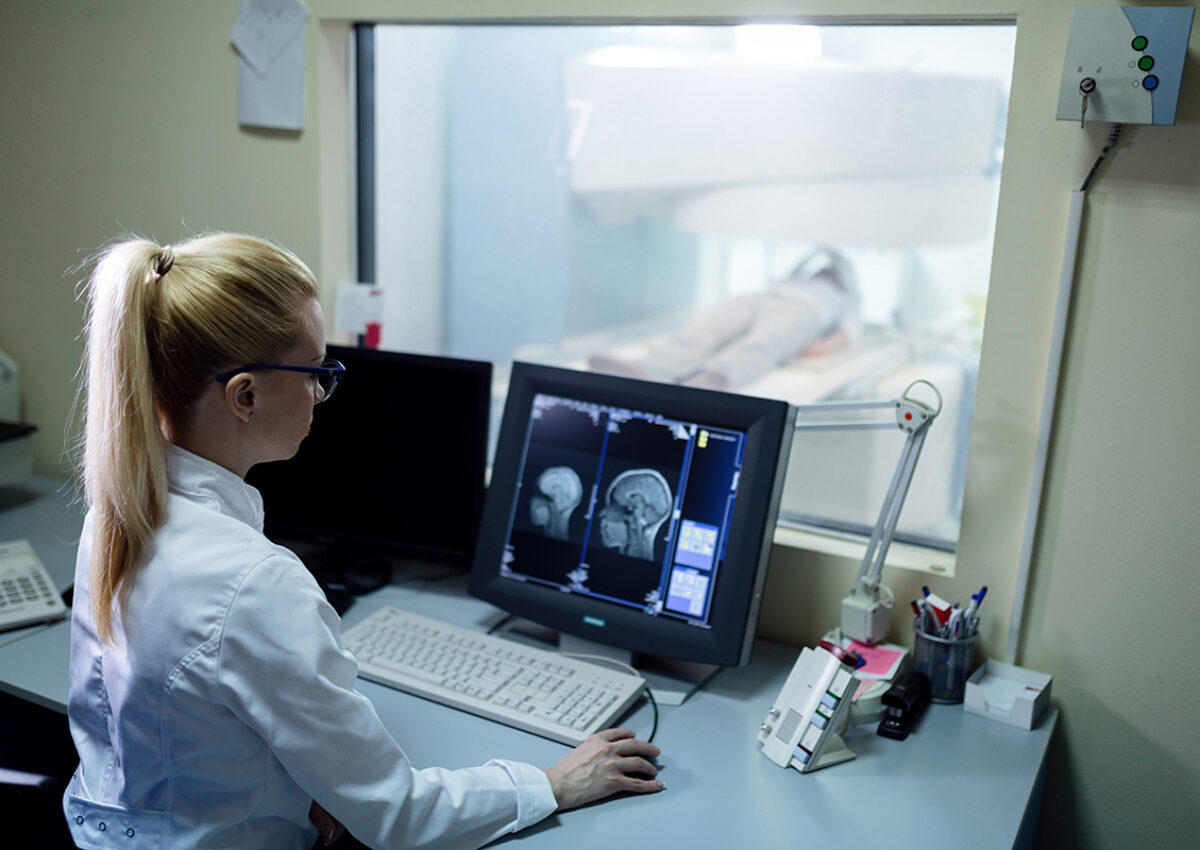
[556,696]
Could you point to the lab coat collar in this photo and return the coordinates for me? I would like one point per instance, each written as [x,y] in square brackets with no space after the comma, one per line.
[200,480]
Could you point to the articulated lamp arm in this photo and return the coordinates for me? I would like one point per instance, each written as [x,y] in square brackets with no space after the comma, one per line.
[866,612]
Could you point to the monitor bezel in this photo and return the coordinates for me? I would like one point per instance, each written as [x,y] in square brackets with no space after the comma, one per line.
[768,425]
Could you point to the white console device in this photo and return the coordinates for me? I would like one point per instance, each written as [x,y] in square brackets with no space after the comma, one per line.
[802,730]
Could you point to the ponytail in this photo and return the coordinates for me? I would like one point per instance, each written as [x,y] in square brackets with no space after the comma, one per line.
[124,460]
[161,323]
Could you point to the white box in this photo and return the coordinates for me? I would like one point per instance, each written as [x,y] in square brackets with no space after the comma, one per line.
[1008,693]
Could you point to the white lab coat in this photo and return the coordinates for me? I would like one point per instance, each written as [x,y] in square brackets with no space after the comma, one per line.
[227,704]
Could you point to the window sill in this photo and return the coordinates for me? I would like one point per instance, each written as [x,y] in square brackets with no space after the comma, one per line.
[904,556]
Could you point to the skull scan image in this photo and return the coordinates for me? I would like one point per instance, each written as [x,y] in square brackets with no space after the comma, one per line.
[635,506]
[559,492]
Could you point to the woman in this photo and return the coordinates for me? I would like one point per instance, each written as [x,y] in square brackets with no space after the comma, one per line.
[211,701]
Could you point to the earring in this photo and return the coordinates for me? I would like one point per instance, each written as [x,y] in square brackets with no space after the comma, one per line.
[250,421]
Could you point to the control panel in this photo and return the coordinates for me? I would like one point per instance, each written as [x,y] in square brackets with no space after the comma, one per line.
[1124,64]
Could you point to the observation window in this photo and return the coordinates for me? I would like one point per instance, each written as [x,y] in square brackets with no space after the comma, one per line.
[792,211]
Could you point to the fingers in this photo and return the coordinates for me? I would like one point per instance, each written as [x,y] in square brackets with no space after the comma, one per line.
[636,765]
[623,742]
[608,762]
[615,734]
[641,786]
[634,747]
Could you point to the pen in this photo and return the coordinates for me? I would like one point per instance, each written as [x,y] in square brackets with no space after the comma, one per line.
[972,615]
[954,624]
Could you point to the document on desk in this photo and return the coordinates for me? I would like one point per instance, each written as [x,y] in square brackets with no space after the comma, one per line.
[883,660]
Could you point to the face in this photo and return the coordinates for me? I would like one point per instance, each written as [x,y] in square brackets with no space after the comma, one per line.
[285,402]
[539,511]
[614,533]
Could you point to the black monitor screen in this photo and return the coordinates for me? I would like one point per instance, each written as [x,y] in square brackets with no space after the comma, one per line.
[633,513]
[395,462]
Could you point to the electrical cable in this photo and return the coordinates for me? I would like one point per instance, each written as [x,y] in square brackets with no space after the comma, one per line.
[1049,402]
[1113,134]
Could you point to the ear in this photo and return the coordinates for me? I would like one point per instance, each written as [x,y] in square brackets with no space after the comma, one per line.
[241,396]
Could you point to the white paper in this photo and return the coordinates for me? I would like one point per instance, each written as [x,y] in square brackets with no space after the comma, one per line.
[276,98]
[358,305]
[265,28]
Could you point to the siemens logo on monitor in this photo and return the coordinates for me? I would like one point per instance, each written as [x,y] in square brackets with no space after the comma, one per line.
[594,621]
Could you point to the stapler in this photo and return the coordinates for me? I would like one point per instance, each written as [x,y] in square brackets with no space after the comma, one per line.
[904,702]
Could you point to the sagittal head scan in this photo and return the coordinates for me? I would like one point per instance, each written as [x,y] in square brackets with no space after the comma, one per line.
[624,506]
[635,506]
[559,492]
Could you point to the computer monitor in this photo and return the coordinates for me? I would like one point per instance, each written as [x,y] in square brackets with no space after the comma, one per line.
[394,467]
[633,514]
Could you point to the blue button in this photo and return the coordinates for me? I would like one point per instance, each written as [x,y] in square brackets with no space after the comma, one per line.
[1150,83]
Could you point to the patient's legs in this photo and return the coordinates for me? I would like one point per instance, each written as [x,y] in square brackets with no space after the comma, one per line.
[788,321]
[681,354]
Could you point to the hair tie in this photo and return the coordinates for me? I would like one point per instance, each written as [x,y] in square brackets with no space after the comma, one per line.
[166,259]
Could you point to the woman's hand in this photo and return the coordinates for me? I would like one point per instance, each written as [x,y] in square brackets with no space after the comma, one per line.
[607,762]
[325,823]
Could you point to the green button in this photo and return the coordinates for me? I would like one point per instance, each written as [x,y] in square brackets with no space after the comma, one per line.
[1146,63]
[1140,42]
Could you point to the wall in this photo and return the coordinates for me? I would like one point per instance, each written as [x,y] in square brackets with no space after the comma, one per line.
[118,114]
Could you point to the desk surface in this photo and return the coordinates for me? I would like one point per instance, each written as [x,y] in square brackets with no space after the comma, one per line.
[972,776]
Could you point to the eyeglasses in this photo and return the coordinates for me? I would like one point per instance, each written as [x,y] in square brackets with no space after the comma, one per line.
[328,374]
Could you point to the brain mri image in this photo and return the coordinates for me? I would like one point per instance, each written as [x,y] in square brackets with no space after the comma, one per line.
[635,506]
[559,492]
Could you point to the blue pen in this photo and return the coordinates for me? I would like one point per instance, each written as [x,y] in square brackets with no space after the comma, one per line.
[972,615]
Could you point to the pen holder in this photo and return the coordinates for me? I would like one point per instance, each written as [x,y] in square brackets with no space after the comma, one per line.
[947,663]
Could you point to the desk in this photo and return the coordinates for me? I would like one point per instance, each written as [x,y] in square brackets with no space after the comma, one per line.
[973,777]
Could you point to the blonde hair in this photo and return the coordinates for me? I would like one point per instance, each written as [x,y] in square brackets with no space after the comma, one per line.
[161,323]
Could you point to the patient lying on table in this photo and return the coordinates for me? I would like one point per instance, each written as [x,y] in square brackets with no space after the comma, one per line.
[812,311]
